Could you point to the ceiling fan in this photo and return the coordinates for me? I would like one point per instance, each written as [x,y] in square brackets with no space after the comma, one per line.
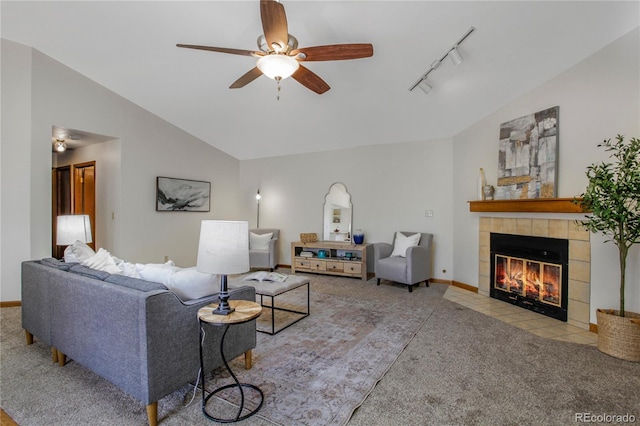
[279,56]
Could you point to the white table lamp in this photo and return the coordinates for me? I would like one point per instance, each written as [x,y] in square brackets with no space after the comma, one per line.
[223,250]
[72,228]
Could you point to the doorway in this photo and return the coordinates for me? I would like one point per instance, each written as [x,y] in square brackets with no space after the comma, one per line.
[73,192]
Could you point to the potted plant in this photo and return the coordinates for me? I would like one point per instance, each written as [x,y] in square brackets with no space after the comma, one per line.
[612,197]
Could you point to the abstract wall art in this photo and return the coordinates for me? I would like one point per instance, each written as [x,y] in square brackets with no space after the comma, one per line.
[527,156]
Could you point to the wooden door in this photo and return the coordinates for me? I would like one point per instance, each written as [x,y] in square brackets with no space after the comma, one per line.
[84,193]
[61,203]
[73,192]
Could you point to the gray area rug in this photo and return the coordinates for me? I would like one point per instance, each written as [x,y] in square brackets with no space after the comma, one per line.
[439,364]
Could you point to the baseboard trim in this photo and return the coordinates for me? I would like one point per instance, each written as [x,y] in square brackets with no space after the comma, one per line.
[439,281]
[593,328]
[464,286]
[12,304]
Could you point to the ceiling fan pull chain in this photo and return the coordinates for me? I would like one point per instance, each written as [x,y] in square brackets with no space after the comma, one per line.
[278,90]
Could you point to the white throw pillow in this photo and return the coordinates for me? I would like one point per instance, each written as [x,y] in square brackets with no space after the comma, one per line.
[102,261]
[157,272]
[190,284]
[259,241]
[78,252]
[402,243]
[126,268]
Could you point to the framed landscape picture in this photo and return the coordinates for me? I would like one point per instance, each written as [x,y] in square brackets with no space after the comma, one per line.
[527,156]
[182,195]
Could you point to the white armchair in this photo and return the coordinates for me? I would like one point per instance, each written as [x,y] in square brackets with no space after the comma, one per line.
[412,268]
[263,248]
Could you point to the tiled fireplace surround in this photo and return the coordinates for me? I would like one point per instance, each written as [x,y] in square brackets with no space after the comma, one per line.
[579,257]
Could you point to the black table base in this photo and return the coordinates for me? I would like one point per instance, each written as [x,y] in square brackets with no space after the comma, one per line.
[237,385]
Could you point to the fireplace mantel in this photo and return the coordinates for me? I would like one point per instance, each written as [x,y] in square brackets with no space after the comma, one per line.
[539,205]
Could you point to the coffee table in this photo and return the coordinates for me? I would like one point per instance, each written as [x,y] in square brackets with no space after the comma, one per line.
[271,290]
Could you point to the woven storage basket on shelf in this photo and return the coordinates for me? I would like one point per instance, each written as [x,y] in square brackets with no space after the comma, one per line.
[308,237]
[619,336]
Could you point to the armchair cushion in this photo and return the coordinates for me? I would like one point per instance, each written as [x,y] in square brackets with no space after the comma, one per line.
[402,243]
[259,241]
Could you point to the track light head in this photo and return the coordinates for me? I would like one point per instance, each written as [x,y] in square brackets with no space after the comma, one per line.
[424,86]
[455,56]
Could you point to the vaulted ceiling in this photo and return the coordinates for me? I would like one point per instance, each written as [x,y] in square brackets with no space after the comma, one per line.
[130,48]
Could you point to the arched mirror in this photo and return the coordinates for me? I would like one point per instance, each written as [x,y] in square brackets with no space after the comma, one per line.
[337,214]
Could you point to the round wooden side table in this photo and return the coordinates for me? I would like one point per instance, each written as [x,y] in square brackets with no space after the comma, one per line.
[244,311]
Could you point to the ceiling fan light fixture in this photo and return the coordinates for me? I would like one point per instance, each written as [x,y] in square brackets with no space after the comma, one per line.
[455,56]
[277,66]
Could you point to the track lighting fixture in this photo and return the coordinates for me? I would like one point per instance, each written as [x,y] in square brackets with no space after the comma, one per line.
[452,53]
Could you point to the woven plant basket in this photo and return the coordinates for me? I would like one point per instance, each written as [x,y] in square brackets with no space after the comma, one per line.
[619,336]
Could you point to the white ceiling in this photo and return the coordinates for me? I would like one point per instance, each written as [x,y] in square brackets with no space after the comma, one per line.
[129,47]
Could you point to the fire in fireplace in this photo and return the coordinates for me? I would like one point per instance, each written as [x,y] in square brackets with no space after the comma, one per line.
[531,272]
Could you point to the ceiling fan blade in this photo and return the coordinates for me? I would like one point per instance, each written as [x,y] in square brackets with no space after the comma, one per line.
[222,50]
[246,79]
[274,24]
[310,80]
[334,52]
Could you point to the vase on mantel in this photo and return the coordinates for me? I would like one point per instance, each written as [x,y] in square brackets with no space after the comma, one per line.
[481,183]
[358,236]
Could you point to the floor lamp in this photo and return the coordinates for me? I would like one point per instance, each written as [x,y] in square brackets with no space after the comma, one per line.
[223,250]
[258,197]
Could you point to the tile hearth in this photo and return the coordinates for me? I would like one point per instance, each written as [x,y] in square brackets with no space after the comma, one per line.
[532,322]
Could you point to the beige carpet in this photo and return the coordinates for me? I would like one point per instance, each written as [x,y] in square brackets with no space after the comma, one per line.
[461,368]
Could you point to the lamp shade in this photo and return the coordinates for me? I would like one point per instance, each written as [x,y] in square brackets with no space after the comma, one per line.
[223,247]
[72,228]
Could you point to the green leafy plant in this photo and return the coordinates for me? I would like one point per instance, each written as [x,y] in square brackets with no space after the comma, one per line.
[612,197]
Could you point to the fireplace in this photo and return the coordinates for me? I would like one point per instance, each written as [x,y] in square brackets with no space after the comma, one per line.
[531,272]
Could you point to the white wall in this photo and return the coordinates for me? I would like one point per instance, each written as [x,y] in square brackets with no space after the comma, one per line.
[15,209]
[38,92]
[598,99]
[391,186]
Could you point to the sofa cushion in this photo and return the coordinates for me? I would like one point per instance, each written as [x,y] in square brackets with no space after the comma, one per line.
[259,241]
[134,283]
[55,263]
[88,272]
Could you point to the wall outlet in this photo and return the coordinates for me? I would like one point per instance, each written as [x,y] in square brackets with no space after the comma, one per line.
[166,259]
[428,213]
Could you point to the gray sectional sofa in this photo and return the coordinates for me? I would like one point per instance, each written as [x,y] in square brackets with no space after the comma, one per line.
[136,334]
